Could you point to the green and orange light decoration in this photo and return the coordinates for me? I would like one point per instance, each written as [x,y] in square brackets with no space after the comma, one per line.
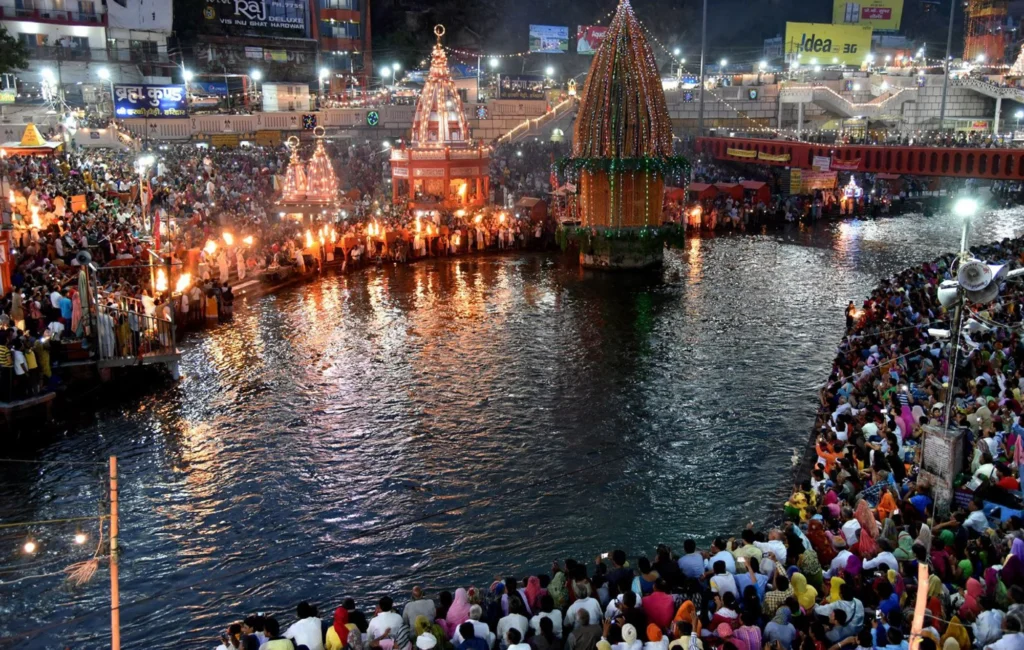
[622,146]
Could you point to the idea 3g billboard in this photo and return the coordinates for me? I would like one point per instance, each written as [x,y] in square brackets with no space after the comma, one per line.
[846,44]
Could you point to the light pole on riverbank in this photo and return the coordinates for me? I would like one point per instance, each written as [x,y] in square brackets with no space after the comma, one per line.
[964,208]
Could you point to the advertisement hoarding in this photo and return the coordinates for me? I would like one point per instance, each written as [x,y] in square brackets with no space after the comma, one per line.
[549,39]
[150,101]
[880,15]
[266,18]
[848,44]
[140,15]
[589,38]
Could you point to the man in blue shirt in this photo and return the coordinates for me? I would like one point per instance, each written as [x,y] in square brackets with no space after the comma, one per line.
[752,576]
[692,562]
[470,640]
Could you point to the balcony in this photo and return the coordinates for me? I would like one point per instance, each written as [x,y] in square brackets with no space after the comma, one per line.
[58,53]
[53,16]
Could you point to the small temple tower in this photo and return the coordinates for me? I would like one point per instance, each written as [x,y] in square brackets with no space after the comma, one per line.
[442,165]
[622,151]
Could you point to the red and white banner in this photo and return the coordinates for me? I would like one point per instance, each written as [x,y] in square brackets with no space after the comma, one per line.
[845,165]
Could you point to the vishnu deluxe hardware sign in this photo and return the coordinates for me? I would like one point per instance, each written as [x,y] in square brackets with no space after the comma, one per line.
[149,101]
[255,17]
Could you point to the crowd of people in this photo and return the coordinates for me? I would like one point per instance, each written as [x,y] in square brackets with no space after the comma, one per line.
[218,221]
[843,567]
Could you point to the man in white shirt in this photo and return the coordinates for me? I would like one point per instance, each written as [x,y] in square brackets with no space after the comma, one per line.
[307,630]
[480,629]
[850,528]
[884,558]
[723,582]
[719,550]
[838,562]
[583,601]
[774,546]
[385,620]
[976,522]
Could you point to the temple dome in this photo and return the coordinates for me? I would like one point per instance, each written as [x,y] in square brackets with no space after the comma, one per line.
[622,111]
[440,119]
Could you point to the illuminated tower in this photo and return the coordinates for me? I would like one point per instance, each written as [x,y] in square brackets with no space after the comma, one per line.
[295,176]
[622,150]
[321,182]
[442,163]
[986,30]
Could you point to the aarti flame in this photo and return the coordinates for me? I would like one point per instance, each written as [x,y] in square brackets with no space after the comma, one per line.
[229,239]
[184,282]
[161,281]
[211,247]
[248,240]
[309,238]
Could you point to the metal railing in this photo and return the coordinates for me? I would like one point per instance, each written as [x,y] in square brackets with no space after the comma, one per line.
[125,332]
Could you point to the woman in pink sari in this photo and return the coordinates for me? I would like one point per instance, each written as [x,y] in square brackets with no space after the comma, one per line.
[458,613]
[533,593]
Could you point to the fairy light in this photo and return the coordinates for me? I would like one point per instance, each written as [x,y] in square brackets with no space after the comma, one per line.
[80,538]
[29,547]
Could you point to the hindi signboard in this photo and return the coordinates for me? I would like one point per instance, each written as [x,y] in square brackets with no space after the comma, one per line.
[150,101]
[880,15]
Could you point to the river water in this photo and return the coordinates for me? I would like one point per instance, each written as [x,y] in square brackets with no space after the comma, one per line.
[451,421]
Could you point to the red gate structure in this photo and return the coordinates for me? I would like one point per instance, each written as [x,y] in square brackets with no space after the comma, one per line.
[967,162]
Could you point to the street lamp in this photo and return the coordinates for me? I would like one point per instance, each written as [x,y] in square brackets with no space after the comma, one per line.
[722,64]
[324,74]
[104,74]
[676,52]
[256,75]
[187,76]
[549,71]
[762,66]
[980,58]
[493,63]
[385,72]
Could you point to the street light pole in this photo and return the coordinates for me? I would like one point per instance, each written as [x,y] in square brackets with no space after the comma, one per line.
[965,209]
[703,49]
[945,66]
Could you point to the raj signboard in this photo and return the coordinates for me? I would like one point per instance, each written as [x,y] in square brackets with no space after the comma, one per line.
[847,43]
[549,39]
[150,101]
[256,17]
[879,15]
[589,38]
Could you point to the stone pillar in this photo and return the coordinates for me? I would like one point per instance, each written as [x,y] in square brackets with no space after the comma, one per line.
[487,189]
[778,124]
[799,118]
[995,122]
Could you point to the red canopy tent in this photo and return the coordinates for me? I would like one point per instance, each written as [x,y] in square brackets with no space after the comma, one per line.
[675,194]
[735,190]
[758,189]
[701,191]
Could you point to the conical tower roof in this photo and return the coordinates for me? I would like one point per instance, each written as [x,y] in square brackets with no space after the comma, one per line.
[1017,69]
[440,119]
[622,111]
[31,137]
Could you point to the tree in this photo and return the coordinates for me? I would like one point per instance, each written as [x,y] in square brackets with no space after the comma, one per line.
[13,53]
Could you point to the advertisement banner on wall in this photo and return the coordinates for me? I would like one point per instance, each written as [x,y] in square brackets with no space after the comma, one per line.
[255,17]
[589,38]
[150,101]
[880,15]
[549,39]
[140,15]
[209,87]
[847,43]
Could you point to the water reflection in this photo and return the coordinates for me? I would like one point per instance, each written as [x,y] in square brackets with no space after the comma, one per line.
[545,410]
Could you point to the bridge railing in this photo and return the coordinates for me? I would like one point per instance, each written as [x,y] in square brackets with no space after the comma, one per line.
[957,162]
[526,126]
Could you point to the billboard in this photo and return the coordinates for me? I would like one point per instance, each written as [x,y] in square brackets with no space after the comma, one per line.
[266,18]
[549,39]
[880,15]
[589,38]
[848,44]
[140,15]
[151,101]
